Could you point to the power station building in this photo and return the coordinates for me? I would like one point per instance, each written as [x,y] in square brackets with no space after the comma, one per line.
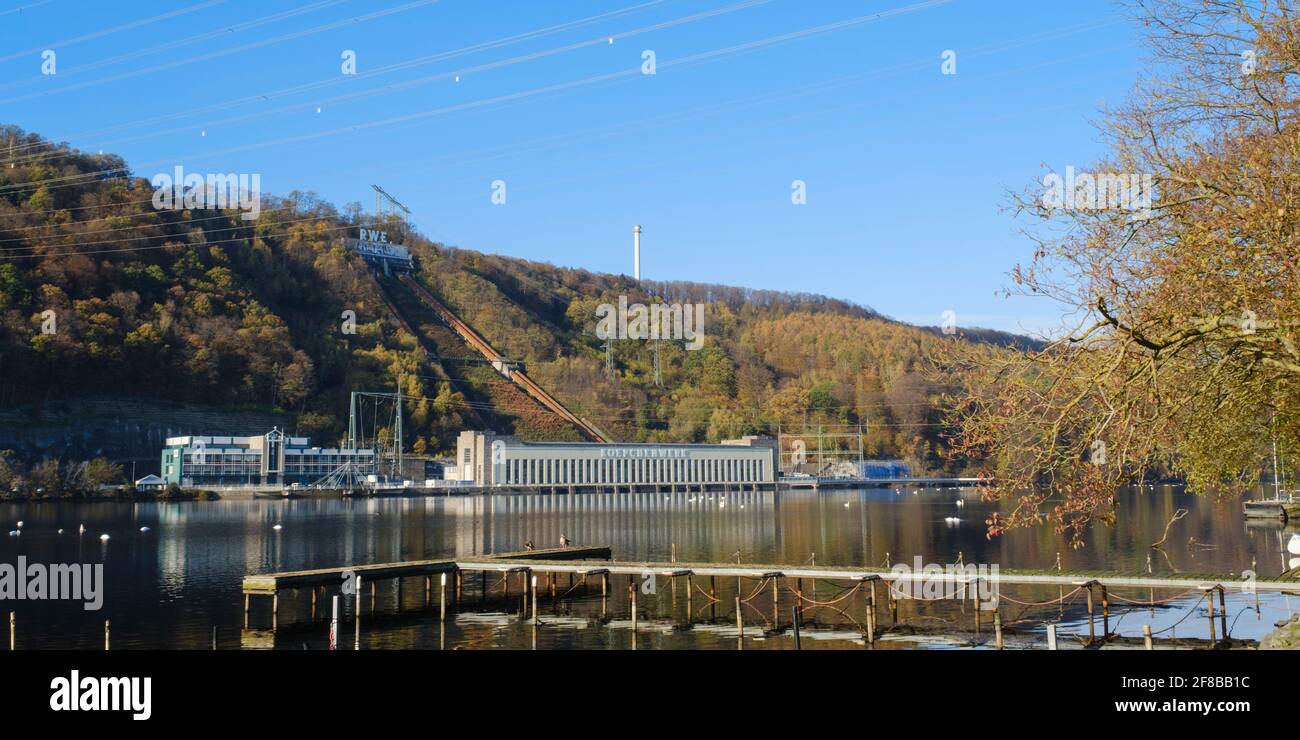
[485,459]
[273,458]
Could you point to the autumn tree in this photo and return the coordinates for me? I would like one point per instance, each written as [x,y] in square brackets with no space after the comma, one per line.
[1177,281]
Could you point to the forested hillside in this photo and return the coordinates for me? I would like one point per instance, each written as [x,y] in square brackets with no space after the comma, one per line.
[202,307]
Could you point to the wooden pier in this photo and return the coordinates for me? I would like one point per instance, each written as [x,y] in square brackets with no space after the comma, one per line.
[1279,509]
[976,586]
[271,584]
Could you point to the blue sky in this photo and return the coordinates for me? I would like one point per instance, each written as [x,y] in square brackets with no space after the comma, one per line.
[907,169]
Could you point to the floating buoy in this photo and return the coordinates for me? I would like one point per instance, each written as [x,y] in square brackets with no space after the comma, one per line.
[952,520]
[81,529]
[20,525]
[960,502]
[103,538]
[60,531]
[846,504]
[14,533]
[144,529]
[277,527]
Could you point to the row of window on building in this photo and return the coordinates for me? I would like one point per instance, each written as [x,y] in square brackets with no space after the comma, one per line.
[571,471]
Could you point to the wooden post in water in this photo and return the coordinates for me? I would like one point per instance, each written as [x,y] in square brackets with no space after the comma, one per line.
[214,637]
[428,590]
[1105,613]
[690,593]
[356,645]
[893,603]
[1051,637]
[442,597]
[1146,636]
[798,594]
[106,630]
[1092,635]
[334,626]
[1223,614]
[794,618]
[740,625]
[1209,602]
[997,627]
[534,585]
[12,627]
[457,576]
[275,610]
[873,599]
[313,604]
[633,589]
[246,598]
[871,614]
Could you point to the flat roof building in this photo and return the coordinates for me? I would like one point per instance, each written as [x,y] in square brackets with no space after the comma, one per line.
[273,458]
[486,459]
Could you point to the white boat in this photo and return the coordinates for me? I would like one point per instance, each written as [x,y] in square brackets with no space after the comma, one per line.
[1293,546]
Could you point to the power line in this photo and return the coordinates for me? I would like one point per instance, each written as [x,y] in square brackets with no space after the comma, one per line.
[224,52]
[109,31]
[338,79]
[238,27]
[409,84]
[21,8]
[556,87]
[705,110]
[771,96]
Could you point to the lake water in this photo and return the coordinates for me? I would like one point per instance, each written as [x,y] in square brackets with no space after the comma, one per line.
[169,587]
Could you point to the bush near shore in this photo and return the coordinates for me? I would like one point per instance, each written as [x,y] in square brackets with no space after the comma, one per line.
[99,479]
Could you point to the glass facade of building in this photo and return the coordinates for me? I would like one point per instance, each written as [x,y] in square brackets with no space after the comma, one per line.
[270,459]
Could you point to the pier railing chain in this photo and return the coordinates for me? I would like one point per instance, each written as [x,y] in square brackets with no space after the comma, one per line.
[1057,600]
[762,584]
[815,602]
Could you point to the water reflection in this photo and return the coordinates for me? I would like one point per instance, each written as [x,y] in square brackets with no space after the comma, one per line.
[168,587]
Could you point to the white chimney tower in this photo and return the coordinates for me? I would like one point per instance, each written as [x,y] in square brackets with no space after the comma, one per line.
[636,252]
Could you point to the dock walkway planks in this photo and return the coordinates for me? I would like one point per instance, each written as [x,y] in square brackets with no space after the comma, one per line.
[269,584]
